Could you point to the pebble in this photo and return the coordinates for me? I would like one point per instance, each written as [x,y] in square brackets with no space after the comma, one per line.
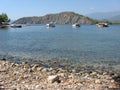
[53,78]
[94,73]
[98,81]
[22,77]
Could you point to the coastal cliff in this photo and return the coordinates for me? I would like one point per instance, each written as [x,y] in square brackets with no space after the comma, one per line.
[60,18]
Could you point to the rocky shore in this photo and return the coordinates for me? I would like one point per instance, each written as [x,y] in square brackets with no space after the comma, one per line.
[23,76]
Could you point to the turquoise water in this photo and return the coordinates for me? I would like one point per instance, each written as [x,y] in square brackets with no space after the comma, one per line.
[63,42]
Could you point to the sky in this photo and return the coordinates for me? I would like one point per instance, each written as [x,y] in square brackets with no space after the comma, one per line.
[16,9]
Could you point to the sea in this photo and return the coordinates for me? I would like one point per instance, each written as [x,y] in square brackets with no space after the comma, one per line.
[86,45]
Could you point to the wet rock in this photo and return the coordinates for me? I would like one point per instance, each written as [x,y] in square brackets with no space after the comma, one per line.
[94,74]
[27,66]
[23,63]
[54,63]
[4,59]
[60,70]
[117,78]
[35,66]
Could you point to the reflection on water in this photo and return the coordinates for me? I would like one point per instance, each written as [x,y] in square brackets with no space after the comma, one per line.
[36,42]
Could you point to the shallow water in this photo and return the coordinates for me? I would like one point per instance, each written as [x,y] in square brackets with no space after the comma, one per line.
[36,42]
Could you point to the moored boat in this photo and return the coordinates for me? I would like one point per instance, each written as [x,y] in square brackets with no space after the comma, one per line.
[51,24]
[16,26]
[76,25]
[4,25]
[102,24]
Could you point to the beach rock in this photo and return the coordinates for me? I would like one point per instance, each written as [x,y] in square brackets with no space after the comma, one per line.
[27,66]
[44,78]
[98,81]
[54,63]
[71,76]
[112,81]
[4,59]
[51,69]
[53,78]
[35,66]
[73,71]
[93,73]
[12,65]
[60,70]
[104,73]
[39,68]
[61,74]
[23,63]
[44,70]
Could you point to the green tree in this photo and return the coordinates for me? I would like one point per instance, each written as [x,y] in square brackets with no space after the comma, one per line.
[4,18]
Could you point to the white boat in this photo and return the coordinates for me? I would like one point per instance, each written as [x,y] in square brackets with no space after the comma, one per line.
[51,24]
[16,26]
[102,25]
[76,25]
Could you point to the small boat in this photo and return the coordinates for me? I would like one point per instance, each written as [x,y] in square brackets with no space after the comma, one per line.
[51,24]
[76,25]
[16,26]
[4,25]
[102,25]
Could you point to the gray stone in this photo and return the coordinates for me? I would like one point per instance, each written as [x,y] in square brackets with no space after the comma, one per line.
[53,78]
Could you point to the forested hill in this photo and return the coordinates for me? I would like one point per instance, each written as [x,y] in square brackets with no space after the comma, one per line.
[61,18]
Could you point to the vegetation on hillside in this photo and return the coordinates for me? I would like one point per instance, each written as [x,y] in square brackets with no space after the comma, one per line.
[60,18]
[4,18]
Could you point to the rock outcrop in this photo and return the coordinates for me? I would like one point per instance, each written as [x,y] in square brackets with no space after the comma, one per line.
[60,18]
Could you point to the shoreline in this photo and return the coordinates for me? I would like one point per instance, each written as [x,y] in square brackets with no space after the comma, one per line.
[68,64]
[23,76]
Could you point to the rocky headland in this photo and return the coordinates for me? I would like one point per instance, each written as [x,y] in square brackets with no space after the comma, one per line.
[60,18]
[24,76]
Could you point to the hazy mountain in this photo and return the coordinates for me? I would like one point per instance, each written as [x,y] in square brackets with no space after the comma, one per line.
[61,18]
[103,15]
[115,19]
